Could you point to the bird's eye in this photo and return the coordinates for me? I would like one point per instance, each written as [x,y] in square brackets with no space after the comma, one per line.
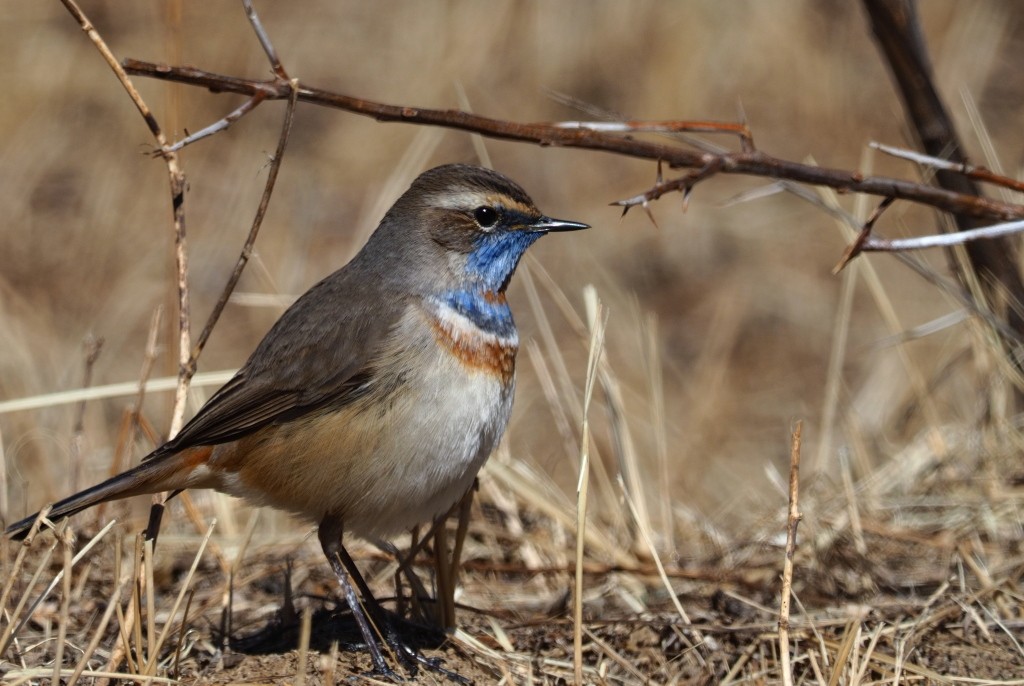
[485,216]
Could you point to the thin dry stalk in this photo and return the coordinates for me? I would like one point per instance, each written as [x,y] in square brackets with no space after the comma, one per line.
[792,522]
[331,665]
[869,653]
[65,602]
[625,448]
[655,381]
[741,662]
[177,188]
[305,632]
[182,630]
[8,634]
[115,390]
[554,356]
[93,347]
[236,566]
[852,508]
[617,657]
[836,361]
[199,521]
[887,310]
[22,676]
[129,624]
[148,566]
[220,125]
[523,482]
[648,540]
[818,637]
[606,492]
[815,667]
[154,650]
[844,650]
[113,603]
[478,141]
[19,560]
[597,318]
[899,664]
[61,574]
[559,413]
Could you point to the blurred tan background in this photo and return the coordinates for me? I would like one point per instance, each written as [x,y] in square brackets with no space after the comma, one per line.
[745,305]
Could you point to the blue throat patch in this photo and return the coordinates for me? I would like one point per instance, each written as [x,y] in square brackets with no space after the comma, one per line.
[488,270]
[496,256]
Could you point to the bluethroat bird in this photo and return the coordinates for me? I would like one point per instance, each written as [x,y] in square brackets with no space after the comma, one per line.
[374,400]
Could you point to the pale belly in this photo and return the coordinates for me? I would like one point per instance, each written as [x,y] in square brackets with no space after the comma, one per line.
[384,463]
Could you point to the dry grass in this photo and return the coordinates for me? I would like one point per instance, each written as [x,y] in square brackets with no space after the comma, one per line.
[724,326]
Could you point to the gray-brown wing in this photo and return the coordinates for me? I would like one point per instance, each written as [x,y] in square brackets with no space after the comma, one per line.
[318,353]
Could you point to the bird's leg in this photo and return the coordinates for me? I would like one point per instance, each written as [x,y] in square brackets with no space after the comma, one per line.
[406,653]
[409,656]
[329,533]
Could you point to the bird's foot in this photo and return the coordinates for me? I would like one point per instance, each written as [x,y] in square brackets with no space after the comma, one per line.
[412,659]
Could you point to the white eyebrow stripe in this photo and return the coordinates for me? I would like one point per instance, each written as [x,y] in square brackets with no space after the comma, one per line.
[466,200]
[470,200]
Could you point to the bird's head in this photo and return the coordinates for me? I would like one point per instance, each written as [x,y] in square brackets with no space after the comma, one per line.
[480,221]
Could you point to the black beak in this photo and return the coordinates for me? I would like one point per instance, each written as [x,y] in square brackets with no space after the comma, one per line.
[547,224]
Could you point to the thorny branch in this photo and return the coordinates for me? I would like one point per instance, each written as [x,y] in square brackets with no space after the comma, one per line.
[592,137]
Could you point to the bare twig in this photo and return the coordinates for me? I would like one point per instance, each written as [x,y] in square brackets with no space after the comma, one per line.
[792,522]
[971,171]
[264,39]
[250,104]
[684,184]
[942,240]
[177,184]
[752,163]
[257,222]
[857,246]
[742,131]
[219,125]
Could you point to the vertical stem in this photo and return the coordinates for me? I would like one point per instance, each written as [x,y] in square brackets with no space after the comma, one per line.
[792,521]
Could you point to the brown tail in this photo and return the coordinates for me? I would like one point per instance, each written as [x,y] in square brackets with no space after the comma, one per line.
[154,475]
